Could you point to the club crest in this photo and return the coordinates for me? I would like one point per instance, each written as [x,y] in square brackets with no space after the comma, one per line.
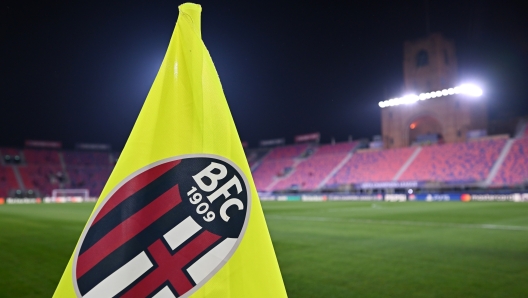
[165,230]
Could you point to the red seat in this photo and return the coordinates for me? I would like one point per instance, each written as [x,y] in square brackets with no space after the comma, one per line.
[310,172]
[372,166]
[455,162]
[275,163]
[514,170]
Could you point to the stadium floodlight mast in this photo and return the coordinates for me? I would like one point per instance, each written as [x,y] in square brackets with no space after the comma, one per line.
[466,89]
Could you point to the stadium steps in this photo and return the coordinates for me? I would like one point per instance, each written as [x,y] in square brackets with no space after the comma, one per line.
[18,177]
[407,164]
[498,164]
[23,157]
[110,159]
[64,169]
[297,160]
[277,179]
[521,129]
[336,169]
[257,163]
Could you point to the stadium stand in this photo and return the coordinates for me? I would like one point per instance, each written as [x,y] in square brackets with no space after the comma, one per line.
[10,155]
[86,158]
[92,178]
[42,178]
[43,170]
[297,167]
[276,164]
[9,151]
[114,156]
[87,169]
[41,156]
[372,166]
[309,173]
[514,170]
[7,180]
[255,155]
[455,162]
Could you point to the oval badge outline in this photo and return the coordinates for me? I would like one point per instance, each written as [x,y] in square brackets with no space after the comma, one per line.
[144,169]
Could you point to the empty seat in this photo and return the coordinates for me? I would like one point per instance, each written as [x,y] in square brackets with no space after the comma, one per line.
[308,174]
[514,170]
[455,162]
[372,166]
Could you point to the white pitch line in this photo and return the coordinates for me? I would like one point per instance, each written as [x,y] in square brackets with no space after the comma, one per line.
[349,209]
[403,223]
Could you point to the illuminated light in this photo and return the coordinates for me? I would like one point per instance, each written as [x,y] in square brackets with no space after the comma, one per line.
[413,125]
[408,99]
[466,89]
[470,90]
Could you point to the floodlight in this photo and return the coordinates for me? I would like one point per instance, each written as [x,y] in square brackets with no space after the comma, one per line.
[471,90]
[466,89]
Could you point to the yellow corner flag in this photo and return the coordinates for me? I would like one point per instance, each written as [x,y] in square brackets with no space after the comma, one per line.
[180,215]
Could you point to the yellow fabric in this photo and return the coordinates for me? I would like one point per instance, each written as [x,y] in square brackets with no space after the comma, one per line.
[186,113]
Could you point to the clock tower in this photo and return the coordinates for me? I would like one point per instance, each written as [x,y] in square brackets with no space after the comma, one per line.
[430,68]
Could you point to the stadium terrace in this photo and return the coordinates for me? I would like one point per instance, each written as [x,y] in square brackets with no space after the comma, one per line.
[491,163]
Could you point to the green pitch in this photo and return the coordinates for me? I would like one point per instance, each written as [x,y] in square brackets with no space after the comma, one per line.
[326,249]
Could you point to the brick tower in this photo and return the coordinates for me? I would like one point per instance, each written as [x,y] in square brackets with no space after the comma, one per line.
[429,67]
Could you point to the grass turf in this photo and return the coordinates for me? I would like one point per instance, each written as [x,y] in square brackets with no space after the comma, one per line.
[327,249]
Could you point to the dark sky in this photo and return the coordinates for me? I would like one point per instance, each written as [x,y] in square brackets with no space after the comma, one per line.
[79,71]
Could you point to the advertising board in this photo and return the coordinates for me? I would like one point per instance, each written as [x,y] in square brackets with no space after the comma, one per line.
[272,142]
[395,197]
[23,201]
[313,198]
[311,137]
[377,197]
[389,184]
[288,198]
[267,198]
[93,146]
[64,199]
[513,197]
[433,197]
[43,144]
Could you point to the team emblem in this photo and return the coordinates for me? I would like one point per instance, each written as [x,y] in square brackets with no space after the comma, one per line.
[164,231]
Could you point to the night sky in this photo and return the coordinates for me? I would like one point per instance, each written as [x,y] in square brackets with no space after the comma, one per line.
[79,71]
